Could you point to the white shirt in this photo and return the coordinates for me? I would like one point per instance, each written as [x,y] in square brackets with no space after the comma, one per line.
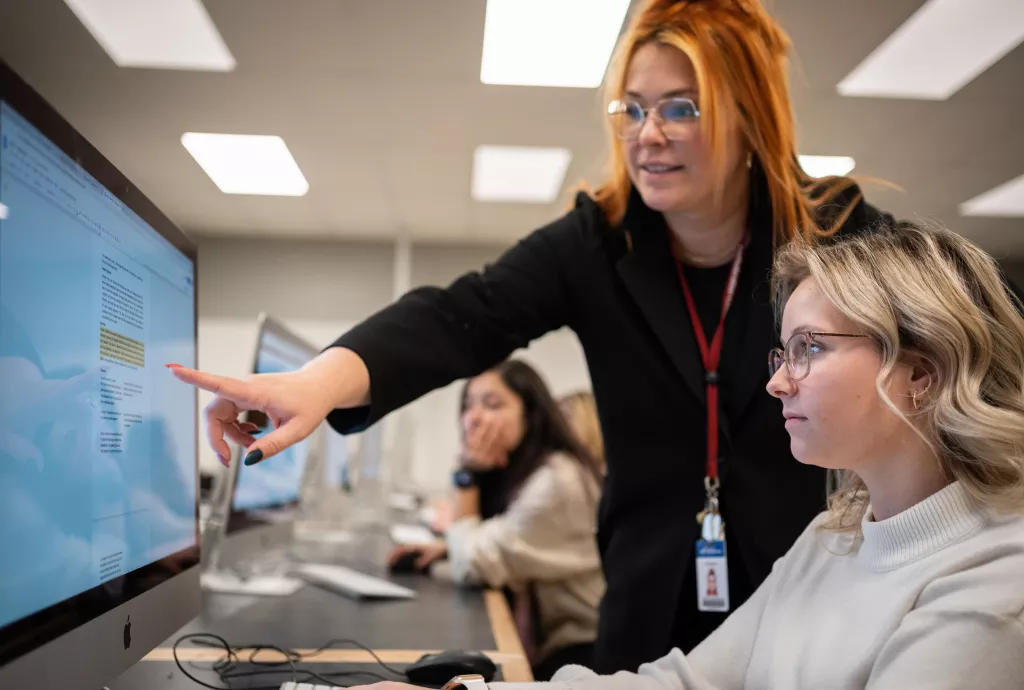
[546,539]
[931,598]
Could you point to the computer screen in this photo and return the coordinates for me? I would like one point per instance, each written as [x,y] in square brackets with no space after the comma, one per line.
[335,451]
[277,481]
[97,439]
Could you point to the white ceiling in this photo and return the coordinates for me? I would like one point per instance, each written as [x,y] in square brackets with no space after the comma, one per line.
[381,104]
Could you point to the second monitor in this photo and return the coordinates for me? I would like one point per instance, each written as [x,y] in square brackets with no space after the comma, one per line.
[257,504]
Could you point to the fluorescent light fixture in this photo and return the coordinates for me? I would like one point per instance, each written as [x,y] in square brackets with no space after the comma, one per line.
[247,164]
[1006,201]
[159,34]
[525,174]
[939,50]
[824,166]
[550,42]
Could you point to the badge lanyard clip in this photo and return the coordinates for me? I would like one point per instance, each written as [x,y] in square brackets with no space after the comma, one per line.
[710,519]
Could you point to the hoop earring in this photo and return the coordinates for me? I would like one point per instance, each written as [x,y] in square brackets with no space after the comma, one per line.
[913,400]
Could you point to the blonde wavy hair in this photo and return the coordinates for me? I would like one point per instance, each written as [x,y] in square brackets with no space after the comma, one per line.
[739,54]
[580,410]
[928,292]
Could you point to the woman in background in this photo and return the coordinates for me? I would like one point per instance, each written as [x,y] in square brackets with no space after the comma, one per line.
[580,411]
[525,515]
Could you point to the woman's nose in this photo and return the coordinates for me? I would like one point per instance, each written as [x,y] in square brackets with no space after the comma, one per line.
[651,133]
[780,385]
[471,419]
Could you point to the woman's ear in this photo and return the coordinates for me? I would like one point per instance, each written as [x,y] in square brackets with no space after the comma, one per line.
[922,372]
[923,375]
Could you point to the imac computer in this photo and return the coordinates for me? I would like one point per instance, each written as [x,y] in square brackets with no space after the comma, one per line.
[98,442]
[325,499]
[255,510]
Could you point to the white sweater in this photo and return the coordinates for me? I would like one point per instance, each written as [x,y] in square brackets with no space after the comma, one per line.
[545,539]
[929,599]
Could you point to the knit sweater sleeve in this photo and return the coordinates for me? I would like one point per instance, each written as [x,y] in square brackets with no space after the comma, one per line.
[718,663]
[950,649]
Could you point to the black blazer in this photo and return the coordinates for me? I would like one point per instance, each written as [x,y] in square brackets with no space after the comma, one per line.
[626,306]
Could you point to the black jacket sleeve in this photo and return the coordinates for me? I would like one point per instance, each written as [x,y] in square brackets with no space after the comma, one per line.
[433,336]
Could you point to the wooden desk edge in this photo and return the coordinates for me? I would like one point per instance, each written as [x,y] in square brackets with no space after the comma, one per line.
[330,656]
[517,668]
[510,655]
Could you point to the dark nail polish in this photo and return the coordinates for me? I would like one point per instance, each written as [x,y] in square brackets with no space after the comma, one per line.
[254,457]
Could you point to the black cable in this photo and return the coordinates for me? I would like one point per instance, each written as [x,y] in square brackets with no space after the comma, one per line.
[228,667]
[354,643]
[223,644]
[305,675]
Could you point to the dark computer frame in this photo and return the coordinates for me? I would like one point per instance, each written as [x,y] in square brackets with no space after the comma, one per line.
[23,636]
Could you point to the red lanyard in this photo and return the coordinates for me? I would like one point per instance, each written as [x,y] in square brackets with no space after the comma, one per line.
[711,355]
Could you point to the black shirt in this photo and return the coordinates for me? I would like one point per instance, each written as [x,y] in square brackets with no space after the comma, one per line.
[707,286]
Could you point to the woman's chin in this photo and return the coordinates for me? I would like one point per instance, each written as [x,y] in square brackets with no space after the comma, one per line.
[800,452]
[664,199]
[815,457]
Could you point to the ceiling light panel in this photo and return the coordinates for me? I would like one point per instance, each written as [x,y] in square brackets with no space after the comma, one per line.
[523,174]
[247,164]
[825,166]
[944,46]
[1005,201]
[158,34]
[550,42]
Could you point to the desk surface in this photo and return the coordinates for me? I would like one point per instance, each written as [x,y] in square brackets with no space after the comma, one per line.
[162,675]
[442,616]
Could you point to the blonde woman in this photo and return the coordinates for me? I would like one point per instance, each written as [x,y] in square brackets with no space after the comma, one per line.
[903,372]
[580,411]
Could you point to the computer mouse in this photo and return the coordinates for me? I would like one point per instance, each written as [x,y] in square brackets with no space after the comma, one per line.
[407,564]
[438,669]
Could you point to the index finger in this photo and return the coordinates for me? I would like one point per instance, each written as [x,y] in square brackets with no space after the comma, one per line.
[235,390]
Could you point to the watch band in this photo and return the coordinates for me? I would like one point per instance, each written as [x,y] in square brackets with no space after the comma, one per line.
[475,682]
[464,478]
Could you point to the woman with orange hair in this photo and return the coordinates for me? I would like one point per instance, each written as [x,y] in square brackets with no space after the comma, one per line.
[662,271]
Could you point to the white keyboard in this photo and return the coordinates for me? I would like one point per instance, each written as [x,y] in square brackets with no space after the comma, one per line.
[412,535]
[262,586]
[307,686]
[351,583]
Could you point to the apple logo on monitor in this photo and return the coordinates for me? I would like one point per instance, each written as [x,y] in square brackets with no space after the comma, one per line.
[128,633]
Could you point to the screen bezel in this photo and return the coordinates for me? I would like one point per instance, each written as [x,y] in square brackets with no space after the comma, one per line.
[24,635]
[239,520]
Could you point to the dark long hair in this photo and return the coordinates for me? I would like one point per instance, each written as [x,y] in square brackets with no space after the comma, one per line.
[547,432]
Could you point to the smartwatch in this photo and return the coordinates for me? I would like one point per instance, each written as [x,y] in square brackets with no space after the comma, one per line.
[475,682]
[464,479]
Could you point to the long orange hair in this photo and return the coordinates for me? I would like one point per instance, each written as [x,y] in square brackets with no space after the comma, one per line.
[739,56]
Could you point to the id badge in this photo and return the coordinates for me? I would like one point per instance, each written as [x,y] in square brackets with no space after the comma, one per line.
[712,576]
